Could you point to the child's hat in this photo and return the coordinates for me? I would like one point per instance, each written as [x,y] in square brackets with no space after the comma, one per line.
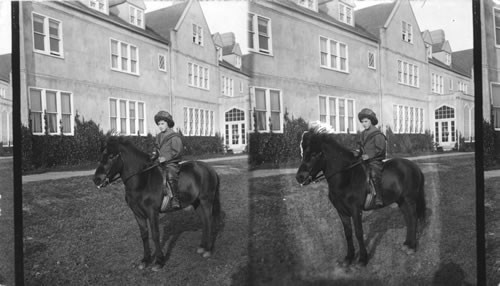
[368,113]
[165,116]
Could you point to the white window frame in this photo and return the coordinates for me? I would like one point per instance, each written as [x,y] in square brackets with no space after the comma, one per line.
[46,36]
[496,27]
[408,74]
[254,38]
[227,88]
[448,58]
[268,111]
[198,76]
[197,35]
[127,116]
[309,4]
[372,54]
[437,83]
[43,94]
[415,123]
[463,87]
[451,84]
[406,32]
[198,121]
[493,106]
[219,53]
[94,4]
[164,68]
[429,50]
[135,15]
[7,132]
[329,65]
[344,12]
[119,56]
[329,113]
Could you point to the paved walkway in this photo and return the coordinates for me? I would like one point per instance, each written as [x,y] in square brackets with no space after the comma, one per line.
[68,174]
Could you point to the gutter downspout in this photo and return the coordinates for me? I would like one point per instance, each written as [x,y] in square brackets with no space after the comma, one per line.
[170,77]
[380,85]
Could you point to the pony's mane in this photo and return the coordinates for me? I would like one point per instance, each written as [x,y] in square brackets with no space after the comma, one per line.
[326,133]
[127,144]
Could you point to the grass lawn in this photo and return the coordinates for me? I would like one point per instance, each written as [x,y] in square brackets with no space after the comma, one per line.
[296,236]
[7,273]
[77,235]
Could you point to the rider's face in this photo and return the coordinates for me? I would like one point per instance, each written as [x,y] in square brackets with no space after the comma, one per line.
[366,123]
[162,125]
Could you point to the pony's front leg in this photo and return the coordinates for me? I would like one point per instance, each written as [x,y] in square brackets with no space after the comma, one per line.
[358,229]
[346,223]
[143,227]
[155,233]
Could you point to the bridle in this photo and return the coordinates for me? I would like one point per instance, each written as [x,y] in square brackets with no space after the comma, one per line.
[108,180]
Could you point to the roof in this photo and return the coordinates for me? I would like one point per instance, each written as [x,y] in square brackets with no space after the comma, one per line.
[5,67]
[455,67]
[164,20]
[463,61]
[227,65]
[114,19]
[324,17]
[374,17]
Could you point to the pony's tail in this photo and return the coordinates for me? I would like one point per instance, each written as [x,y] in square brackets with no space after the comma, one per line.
[421,207]
[216,209]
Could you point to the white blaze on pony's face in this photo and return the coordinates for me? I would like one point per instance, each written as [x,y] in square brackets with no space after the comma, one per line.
[301,148]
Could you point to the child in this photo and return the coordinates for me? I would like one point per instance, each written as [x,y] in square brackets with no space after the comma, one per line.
[373,143]
[169,152]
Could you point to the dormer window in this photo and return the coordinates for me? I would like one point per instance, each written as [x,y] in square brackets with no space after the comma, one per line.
[238,61]
[99,5]
[345,14]
[448,59]
[197,35]
[309,4]
[429,50]
[219,53]
[136,16]
[407,32]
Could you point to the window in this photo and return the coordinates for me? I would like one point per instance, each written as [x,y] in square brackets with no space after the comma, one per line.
[197,35]
[99,5]
[2,92]
[47,35]
[162,65]
[451,84]
[333,54]
[219,53]
[407,119]
[371,60]
[6,128]
[227,86]
[126,117]
[408,74]
[268,109]
[462,86]
[51,111]
[437,83]
[309,4]
[198,76]
[338,112]
[345,14]
[407,32]
[495,105]
[259,34]
[429,50]
[448,58]
[198,122]
[496,13]
[468,123]
[241,86]
[444,112]
[124,57]
[238,61]
[136,16]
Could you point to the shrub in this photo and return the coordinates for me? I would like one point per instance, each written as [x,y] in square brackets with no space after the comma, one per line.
[408,143]
[489,151]
[198,145]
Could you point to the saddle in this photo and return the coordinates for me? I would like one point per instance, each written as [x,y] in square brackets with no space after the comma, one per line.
[370,198]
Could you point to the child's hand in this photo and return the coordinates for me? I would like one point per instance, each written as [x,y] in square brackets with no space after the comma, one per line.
[161,159]
[365,157]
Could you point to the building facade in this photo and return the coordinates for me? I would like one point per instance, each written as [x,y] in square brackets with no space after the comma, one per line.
[338,61]
[124,66]
[6,100]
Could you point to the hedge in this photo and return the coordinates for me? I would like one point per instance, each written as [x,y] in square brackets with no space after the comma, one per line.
[47,151]
[490,157]
[408,143]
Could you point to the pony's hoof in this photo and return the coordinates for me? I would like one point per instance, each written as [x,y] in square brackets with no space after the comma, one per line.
[156,268]
[406,249]
[206,254]
[344,263]
[200,250]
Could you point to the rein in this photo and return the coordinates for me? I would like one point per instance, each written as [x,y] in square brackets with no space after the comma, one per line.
[326,177]
[130,176]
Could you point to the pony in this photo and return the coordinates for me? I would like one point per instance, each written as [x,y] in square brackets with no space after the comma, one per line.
[198,186]
[402,183]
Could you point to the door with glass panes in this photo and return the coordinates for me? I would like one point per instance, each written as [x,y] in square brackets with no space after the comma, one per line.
[235,130]
[444,127]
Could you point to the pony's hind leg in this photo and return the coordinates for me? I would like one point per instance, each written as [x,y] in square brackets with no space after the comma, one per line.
[410,215]
[143,227]
[206,219]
